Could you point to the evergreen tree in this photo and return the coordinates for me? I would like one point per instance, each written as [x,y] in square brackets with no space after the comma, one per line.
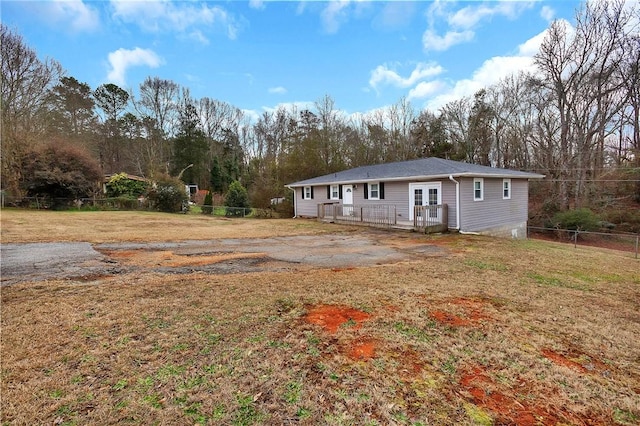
[237,199]
[189,147]
[207,206]
[218,179]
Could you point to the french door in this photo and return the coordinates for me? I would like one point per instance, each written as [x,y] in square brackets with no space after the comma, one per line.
[425,194]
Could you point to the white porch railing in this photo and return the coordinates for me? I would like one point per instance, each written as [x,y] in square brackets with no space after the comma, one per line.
[371,214]
[431,218]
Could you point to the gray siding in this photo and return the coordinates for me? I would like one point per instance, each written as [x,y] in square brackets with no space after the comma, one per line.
[449,198]
[395,193]
[493,211]
[309,208]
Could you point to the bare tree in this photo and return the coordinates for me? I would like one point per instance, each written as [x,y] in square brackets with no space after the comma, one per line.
[456,118]
[330,122]
[580,76]
[400,116]
[157,108]
[217,118]
[26,82]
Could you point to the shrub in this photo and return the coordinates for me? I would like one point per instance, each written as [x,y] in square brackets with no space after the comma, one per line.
[168,195]
[626,218]
[580,219]
[207,206]
[265,214]
[237,199]
[285,208]
[121,186]
[61,173]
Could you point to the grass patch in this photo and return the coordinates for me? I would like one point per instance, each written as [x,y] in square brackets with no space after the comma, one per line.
[412,332]
[483,265]
[551,281]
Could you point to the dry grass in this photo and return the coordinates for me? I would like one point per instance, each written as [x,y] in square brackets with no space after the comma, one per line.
[495,332]
[22,226]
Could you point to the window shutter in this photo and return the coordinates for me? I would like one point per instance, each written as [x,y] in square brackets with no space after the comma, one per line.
[340,191]
[312,192]
[366,191]
[328,192]
[381,187]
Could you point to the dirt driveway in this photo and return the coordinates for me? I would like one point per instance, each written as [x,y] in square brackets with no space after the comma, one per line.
[78,261]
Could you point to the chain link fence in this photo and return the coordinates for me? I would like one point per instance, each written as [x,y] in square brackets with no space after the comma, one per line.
[626,242]
[127,204]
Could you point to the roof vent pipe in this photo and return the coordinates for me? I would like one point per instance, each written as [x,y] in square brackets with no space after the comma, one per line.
[457,201]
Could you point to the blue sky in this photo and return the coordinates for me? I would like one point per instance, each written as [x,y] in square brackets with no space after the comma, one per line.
[257,55]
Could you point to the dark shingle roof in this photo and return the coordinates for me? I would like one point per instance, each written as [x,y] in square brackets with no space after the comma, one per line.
[425,168]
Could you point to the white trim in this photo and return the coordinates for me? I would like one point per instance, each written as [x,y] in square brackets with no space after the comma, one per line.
[529,176]
[337,187]
[508,188]
[347,199]
[371,197]
[304,193]
[481,182]
[425,196]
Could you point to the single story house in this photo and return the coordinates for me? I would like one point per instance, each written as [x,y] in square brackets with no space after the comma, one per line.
[463,197]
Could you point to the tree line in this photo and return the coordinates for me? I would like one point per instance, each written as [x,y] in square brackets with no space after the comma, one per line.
[576,119]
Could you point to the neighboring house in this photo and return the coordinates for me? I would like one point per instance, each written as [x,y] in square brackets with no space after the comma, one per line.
[461,196]
[192,191]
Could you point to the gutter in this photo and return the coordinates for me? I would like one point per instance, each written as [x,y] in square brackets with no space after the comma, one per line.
[524,175]
[457,201]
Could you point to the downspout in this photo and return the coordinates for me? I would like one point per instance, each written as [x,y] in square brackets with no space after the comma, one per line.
[457,201]
[295,204]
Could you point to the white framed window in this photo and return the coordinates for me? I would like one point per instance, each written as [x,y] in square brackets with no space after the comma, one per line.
[478,189]
[335,192]
[374,191]
[506,189]
[307,193]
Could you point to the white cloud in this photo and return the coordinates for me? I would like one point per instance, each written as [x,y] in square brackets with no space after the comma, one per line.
[489,73]
[74,14]
[292,107]
[384,74]
[469,17]
[277,90]
[256,4]
[432,41]
[424,89]
[547,13]
[163,15]
[198,36]
[122,59]
[499,67]
[395,15]
[334,15]
[532,46]
[461,24]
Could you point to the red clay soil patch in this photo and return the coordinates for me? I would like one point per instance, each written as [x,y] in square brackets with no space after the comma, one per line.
[556,358]
[449,319]
[506,409]
[331,317]
[486,394]
[412,365]
[349,268]
[577,361]
[362,350]
[473,312]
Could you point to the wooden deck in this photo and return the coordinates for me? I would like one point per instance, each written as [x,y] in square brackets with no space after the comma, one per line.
[427,219]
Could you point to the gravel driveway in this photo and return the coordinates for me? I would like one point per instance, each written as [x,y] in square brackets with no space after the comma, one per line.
[87,262]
